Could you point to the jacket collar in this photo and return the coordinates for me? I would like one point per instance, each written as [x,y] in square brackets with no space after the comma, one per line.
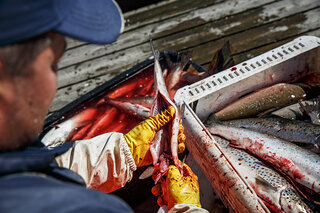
[33,158]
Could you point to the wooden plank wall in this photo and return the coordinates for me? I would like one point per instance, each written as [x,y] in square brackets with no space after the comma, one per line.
[252,27]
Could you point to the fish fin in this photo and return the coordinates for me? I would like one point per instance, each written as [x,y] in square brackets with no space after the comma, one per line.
[178,60]
[221,60]
[263,182]
[296,114]
[147,173]
[267,112]
[194,68]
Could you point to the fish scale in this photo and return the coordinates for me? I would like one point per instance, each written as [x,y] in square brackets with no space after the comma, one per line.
[269,185]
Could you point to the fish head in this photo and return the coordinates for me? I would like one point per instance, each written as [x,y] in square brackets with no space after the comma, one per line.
[290,201]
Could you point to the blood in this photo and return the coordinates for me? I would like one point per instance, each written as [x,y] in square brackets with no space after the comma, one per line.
[270,205]
[271,77]
[219,95]
[292,167]
[281,89]
[233,68]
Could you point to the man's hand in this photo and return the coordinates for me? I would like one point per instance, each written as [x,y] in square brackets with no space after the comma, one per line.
[178,188]
[140,137]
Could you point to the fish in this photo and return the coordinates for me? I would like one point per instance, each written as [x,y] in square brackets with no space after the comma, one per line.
[290,130]
[298,164]
[102,123]
[166,139]
[143,100]
[278,95]
[137,106]
[276,192]
[80,133]
[175,78]
[65,130]
[183,71]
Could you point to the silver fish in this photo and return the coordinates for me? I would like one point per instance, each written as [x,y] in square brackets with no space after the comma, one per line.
[129,107]
[299,164]
[290,130]
[277,193]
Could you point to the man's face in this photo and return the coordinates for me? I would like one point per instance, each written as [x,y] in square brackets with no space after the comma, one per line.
[34,92]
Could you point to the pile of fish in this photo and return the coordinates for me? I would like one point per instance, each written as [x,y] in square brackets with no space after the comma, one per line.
[123,107]
[272,137]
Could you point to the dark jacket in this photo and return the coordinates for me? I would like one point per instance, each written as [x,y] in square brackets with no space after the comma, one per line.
[31,181]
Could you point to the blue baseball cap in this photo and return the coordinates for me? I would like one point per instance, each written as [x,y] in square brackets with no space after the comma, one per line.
[94,21]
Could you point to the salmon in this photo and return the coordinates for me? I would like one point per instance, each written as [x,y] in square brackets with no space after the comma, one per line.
[64,131]
[278,95]
[300,165]
[138,106]
[277,193]
[289,130]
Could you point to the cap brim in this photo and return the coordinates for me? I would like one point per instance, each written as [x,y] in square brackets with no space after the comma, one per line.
[98,22]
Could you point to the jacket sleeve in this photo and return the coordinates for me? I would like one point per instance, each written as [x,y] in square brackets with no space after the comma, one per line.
[104,162]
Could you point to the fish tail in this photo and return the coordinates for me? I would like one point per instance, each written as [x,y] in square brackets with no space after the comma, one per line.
[178,60]
[221,60]
[155,53]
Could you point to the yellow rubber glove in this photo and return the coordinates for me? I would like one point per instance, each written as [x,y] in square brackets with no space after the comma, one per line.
[140,137]
[178,189]
[181,138]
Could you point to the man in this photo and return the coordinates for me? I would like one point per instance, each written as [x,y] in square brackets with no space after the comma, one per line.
[31,44]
